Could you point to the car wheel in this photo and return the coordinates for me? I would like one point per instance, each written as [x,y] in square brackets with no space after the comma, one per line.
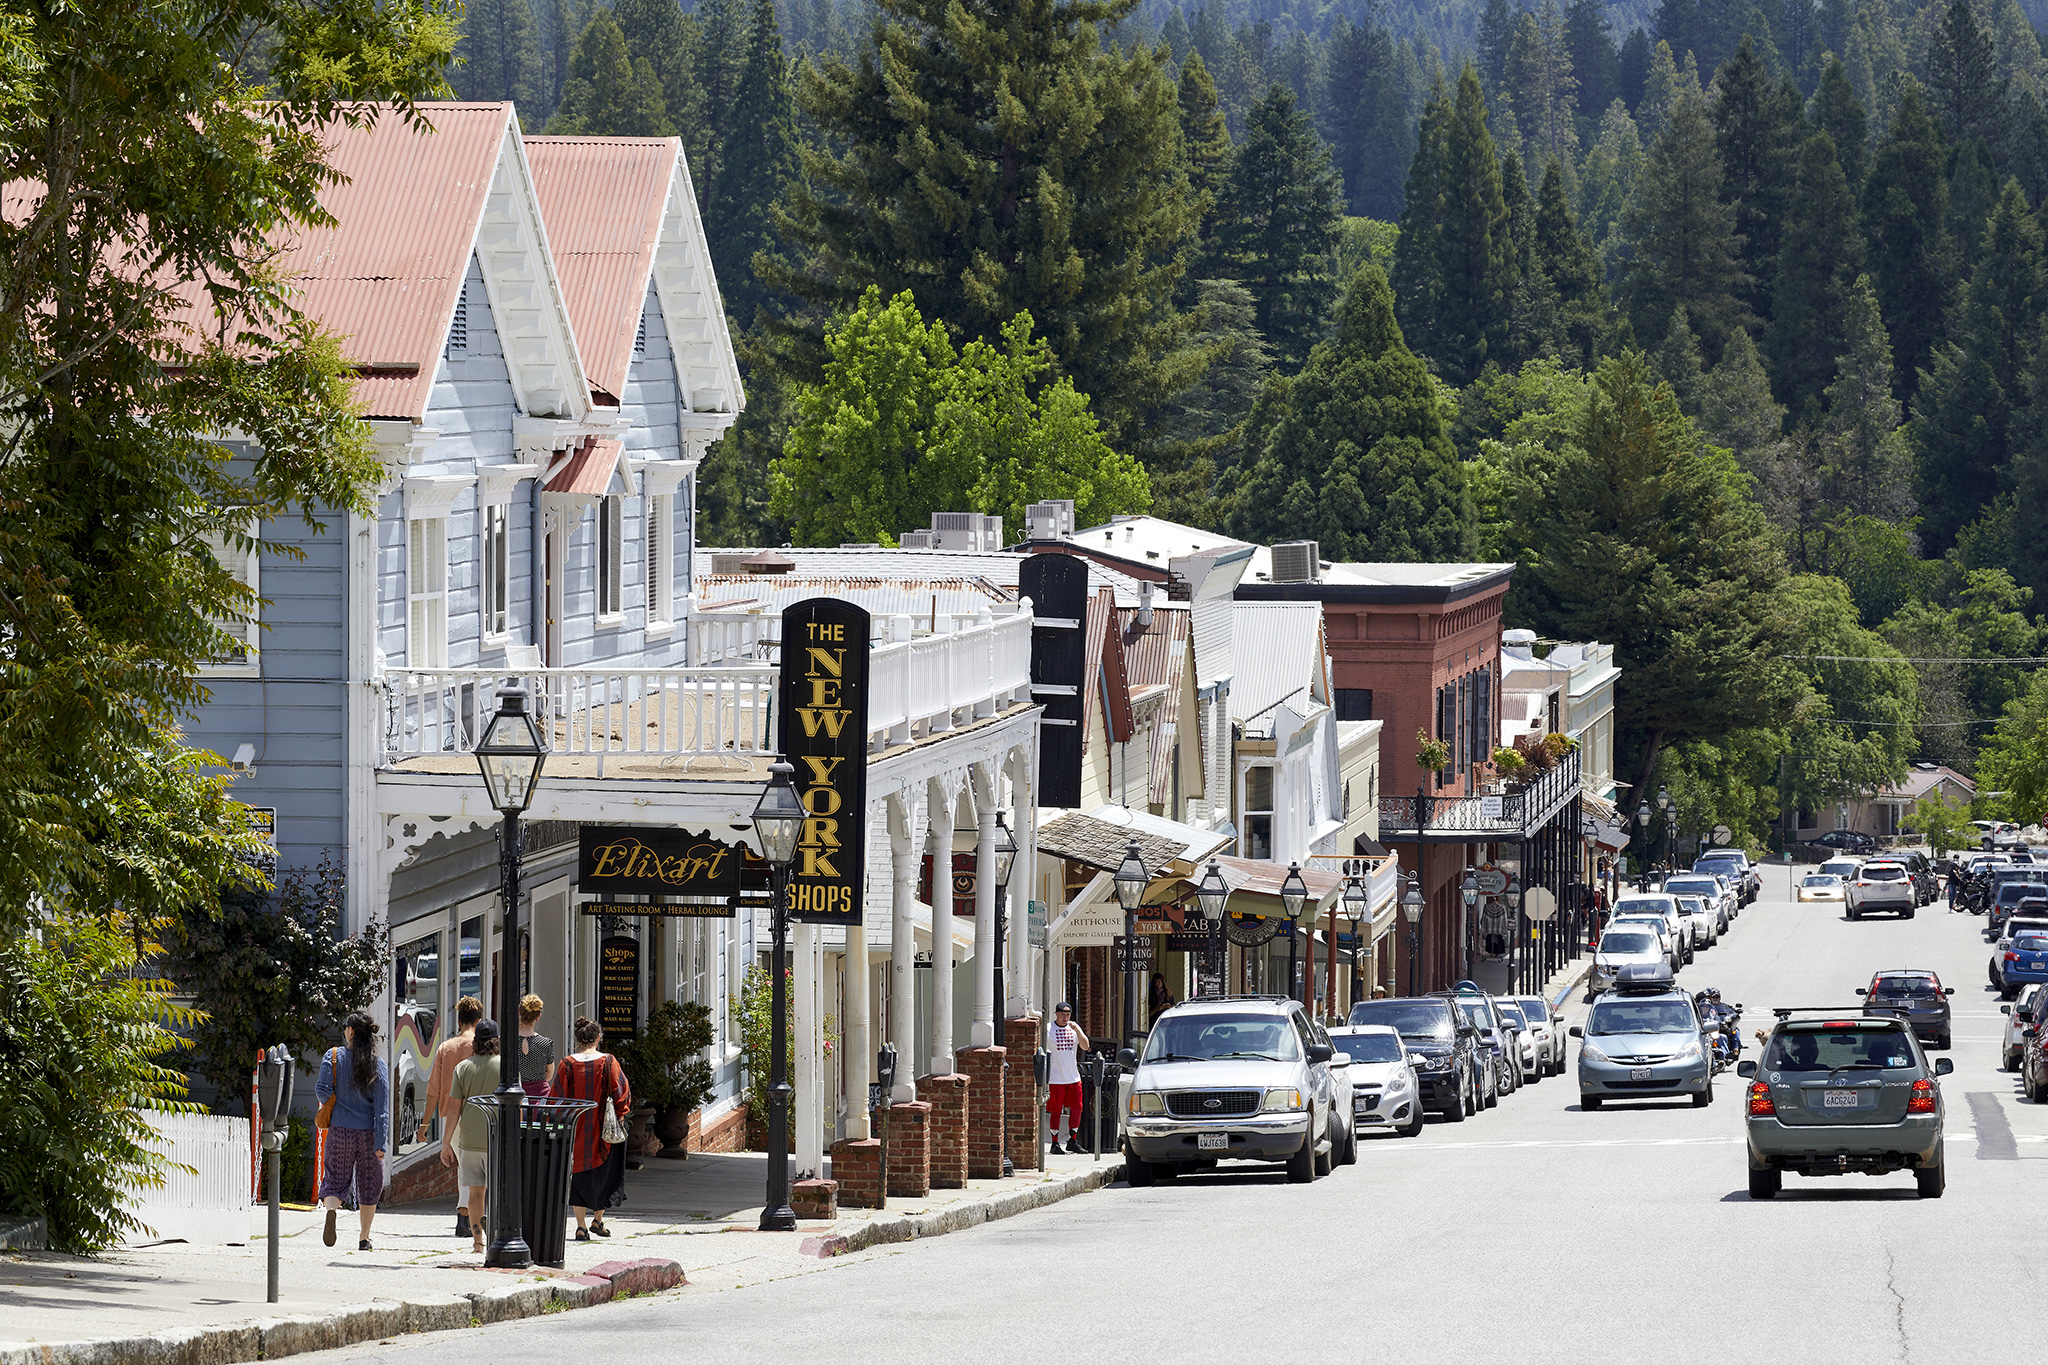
[1765,1184]
[1705,1097]
[1907,914]
[1929,1181]
[1301,1167]
[1942,1043]
[2010,1061]
[1414,1124]
[1493,1092]
[2007,992]
[1351,1144]
[1471,1093]
[1589,1103]
[1138,1172]
[1327,1161]
[1854,913]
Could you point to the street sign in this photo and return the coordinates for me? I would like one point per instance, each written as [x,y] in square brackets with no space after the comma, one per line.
[1035,923]
[1492,881]
[1539,904]
[1135,956]
[1723,834]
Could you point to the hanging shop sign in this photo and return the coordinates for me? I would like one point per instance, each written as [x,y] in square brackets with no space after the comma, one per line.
[646,860]
[1250,931]
[963,882]
[1057,585]
[824,735]
[618,987]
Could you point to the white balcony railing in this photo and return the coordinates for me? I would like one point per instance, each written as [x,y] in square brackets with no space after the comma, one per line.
[917,687]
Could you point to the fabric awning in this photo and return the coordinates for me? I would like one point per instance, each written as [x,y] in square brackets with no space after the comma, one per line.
[1255,887]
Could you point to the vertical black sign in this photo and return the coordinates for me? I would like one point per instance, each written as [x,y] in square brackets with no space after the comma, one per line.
[1057,585]
[824,736]
[618,987]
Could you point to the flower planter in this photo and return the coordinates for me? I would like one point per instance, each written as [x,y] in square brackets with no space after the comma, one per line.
[636,1137]
[672,1126]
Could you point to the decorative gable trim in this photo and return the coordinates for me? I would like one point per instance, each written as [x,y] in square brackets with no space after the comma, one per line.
[692,308]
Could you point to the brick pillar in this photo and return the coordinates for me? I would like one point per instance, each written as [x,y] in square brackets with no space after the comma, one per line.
[983,1067]
[1020,1093]
[857,1166]
[947,1096]
[910,1149]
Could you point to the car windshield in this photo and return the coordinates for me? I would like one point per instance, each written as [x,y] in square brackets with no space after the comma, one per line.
[1511,1013]
[1693,886]
[1834,1047]
[1883,872]
[1429,1020]
[2012,893]
[1476,1011]
[1203,1037]
[1905,985]
[1823,880]
[1535,1011]
[1692,905]
[1727,867]
[1640,1016]
[1659,926]
[1369,1047]
[1659,906]
[1629,941]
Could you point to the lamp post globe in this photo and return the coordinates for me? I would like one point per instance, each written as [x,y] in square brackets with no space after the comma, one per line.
[1294,892]
[1411,906]
[510,755]
[1212,894]
[1354,913]
[1411,910]
[778,819]
[1130,880]
[1470,888]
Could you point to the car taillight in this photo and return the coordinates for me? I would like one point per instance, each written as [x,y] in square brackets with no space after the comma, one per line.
[1922,1099]
[2012,957]
[1760,1101]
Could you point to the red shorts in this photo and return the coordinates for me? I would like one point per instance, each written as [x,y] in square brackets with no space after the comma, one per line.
[1064,1097]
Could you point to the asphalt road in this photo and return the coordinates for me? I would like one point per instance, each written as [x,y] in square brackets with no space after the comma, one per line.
[1534,1231]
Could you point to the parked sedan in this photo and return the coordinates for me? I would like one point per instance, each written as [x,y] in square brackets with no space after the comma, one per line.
[1631,945]
[1525,1033]
[1823,886]
[1883,886]
[1849,839]
[1384,1090]
[1717,891]
[1549,1027]
[2020,960]
[2020,1015]
[1699,920]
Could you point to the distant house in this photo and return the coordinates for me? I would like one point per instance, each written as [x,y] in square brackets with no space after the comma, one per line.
[1887,810]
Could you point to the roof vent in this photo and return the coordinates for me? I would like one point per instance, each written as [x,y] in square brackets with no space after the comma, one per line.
[860,544]
[1296,561]
[458,330]
[731,562]
[640,337]
[768,562]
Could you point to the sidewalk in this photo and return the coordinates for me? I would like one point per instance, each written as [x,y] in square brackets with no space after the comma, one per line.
[699,1215]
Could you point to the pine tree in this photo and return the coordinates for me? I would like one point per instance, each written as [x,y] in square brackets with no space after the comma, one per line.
[501,54]
[1964,91]
[1736,408]
[1905,208]
[1821,258]
[671,41]
[1204,423]
[1476,271]
[1869,467]
[1567,261]
[997,164]
[1684,236]
[1632,67]
[1678,361]
[1837,112]
[1276,224]
[1590,39]
[1539,76]
[720,57]
[1496,35]
[1662,86]
[1532,314]
[1973,190]
[1757,131]
[1353,452]
[1607,184]
[1205,140]
[1174,33]
[1964,413]
[758,159]
[1418,276]
[609,93]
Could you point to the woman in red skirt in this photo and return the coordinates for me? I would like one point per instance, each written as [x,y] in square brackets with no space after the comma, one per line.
[597,1178]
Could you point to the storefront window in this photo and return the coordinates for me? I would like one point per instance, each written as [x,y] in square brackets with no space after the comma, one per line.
[416,991]
[1258,813]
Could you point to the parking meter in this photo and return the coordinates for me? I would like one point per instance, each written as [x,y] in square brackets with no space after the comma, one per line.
[1041,1066]
[885,1067]
[274,1074]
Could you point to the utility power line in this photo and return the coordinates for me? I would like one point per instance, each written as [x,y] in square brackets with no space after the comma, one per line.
[1895,659]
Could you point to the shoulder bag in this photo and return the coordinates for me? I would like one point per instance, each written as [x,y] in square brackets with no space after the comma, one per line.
[326,1115]
[610,1129]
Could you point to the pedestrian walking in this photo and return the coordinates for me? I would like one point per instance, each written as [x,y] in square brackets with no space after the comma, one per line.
[536,1051]
[1066,1042]
[597,1167]
[441,1074]
[466,1129]
[358,1083]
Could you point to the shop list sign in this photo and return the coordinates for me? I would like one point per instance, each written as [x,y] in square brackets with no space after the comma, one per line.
[824,735]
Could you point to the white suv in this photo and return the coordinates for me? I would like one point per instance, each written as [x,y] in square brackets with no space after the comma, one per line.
[1883,886]
[1244,1078]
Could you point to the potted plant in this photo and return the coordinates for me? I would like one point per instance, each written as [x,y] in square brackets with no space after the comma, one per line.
[667,1071]
[1509,763]
[1431,755]
[754,1010]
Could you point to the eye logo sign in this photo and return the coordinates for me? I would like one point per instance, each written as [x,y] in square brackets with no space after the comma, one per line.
[823,735]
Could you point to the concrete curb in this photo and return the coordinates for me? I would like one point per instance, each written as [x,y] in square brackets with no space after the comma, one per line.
[24,1234]
[1575,973]
[909,1227]
[270,1338]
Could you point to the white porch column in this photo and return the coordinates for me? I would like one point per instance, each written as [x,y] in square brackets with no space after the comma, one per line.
[1020,970]
[984,1030]
[854,1036]
[941,1059]
[808,963]
[903,956]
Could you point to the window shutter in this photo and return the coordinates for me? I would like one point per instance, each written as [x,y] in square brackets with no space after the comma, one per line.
[614,552]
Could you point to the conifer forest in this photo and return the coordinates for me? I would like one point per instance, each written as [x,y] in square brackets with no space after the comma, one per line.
[1723,319]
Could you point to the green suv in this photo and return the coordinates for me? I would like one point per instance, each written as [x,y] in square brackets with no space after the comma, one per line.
[1835,1095]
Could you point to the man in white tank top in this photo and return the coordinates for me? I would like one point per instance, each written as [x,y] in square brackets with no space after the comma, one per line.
[1064,1042]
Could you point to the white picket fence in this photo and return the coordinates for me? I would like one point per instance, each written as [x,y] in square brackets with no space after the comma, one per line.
[209,1202]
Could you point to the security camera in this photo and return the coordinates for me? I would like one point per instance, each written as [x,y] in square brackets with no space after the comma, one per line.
[244,756]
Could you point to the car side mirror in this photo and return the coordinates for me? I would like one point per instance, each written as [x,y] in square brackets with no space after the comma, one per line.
[1745,1069]
[1126,1057]
[1861,991]
[1948,990]
[1943,1066]
[1575,1031]
[1341,1060]
[2005,1009]
[1319,1053]
[2030,1033]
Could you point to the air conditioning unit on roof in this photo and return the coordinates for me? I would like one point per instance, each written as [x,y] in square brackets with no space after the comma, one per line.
[969,532]
[1296,561]
[1052,519]
[919,540]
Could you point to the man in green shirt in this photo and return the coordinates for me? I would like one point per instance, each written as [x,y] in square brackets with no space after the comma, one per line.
[466,1129]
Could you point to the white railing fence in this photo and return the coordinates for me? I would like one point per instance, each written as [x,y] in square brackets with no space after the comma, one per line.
[205,1194]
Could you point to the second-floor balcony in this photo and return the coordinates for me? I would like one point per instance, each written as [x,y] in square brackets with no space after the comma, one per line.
[1505,817]
[918,688]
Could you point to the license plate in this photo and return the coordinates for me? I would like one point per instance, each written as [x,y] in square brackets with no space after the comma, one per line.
[1641,1073]
[1838,1099]
[1212,1142]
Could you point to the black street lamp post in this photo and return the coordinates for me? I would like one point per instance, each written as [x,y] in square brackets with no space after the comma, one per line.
[1130,880]
[1411,910]
[1643,826]
[778,817]
[1293,899]
[1664,803]
[510,754]
[1212,893]
[1354,911]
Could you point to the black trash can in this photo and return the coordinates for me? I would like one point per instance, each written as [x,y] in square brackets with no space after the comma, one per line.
[547,1148]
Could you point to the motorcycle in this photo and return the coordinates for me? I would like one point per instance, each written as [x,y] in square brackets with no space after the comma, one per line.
[1724,1035]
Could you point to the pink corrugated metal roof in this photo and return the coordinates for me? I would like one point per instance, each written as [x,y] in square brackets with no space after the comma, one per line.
[602,200]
